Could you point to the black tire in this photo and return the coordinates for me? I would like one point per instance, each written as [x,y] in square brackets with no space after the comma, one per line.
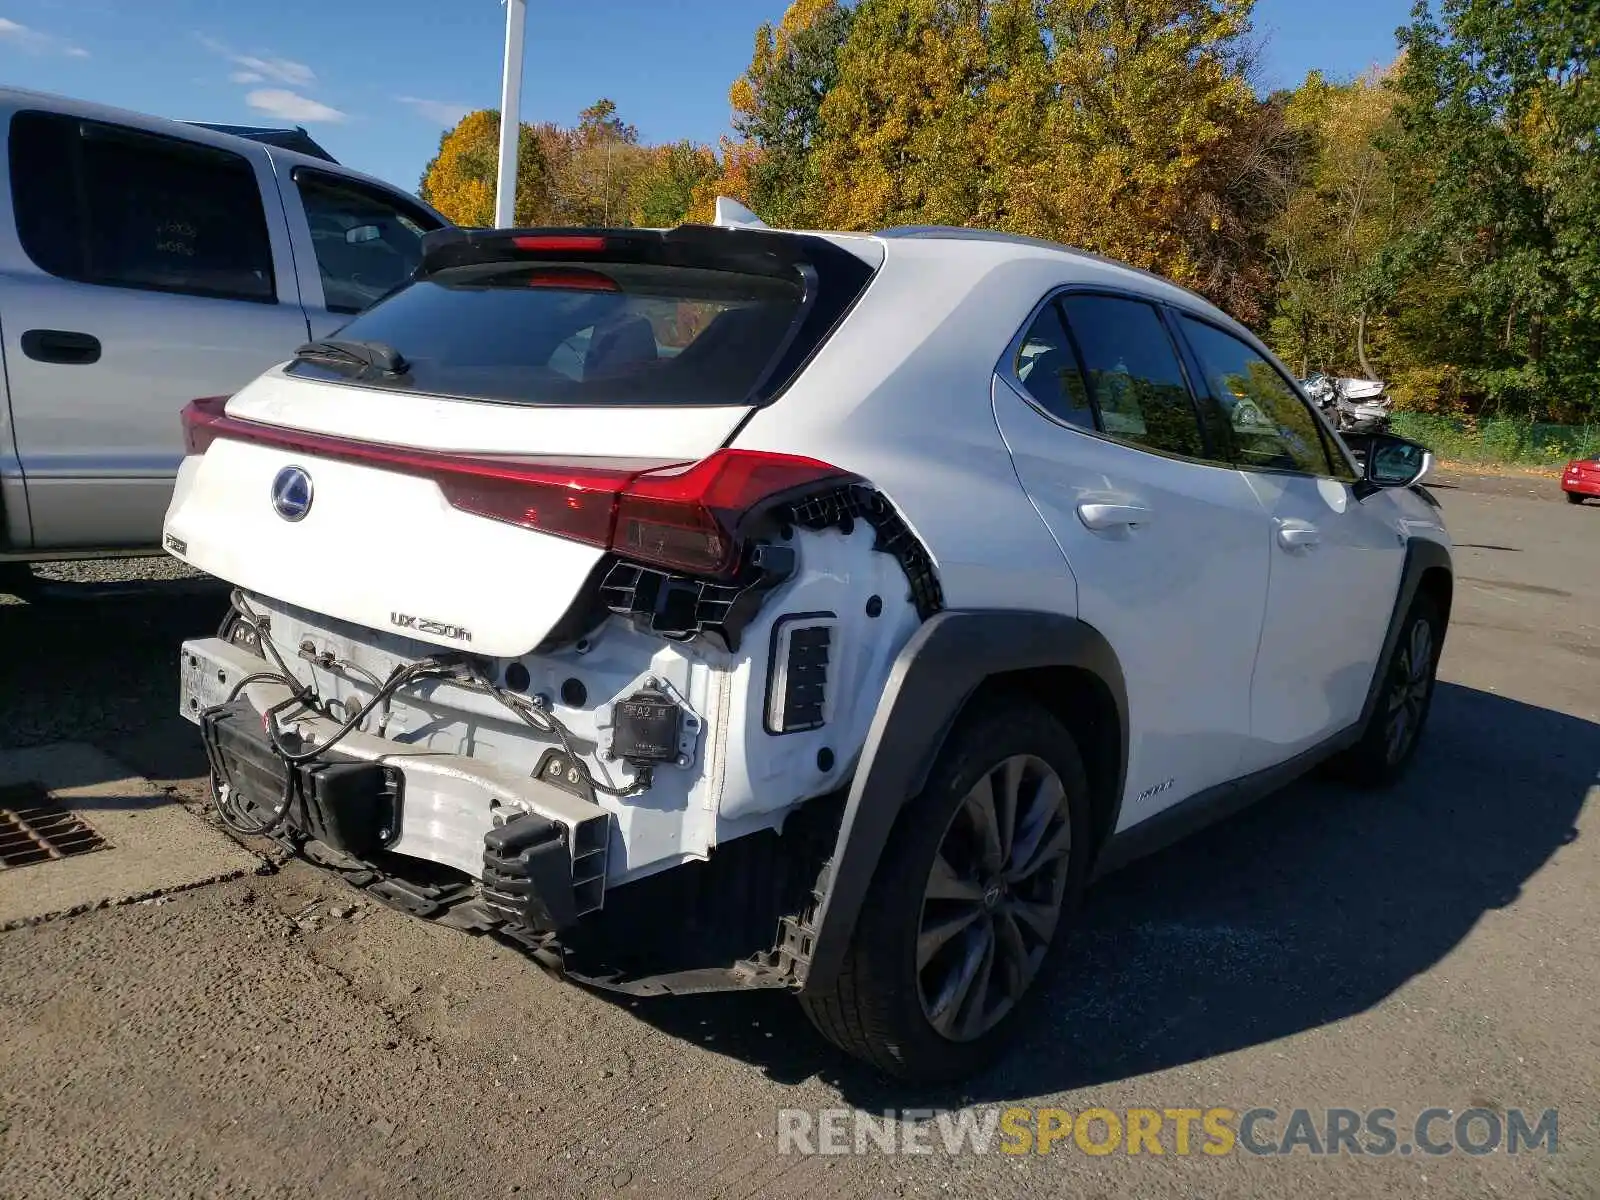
[877,1010]
[18,579]
[1379,758]
[1575,498]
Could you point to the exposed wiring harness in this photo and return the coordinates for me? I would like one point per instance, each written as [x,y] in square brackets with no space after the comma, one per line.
[454,669]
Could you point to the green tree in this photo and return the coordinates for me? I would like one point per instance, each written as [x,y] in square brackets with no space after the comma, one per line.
[1499,274]
[665,191]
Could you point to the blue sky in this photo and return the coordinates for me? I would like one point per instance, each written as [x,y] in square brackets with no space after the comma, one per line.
[377,81]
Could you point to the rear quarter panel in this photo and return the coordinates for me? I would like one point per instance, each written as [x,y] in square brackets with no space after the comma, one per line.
[901,395]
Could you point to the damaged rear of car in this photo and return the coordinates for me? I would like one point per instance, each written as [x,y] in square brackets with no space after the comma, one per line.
[522,640]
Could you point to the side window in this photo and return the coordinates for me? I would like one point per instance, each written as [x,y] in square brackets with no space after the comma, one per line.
[110,205]
[1271,427]
[367,242]
[1134,378]
[1047,365]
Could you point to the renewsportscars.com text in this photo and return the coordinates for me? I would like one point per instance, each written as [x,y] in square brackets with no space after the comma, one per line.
[1180,1132]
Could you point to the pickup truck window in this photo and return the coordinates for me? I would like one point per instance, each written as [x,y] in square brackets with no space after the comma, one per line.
[110,205]
[366,241]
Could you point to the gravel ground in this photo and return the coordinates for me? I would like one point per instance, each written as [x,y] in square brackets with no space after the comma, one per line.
[279,1036]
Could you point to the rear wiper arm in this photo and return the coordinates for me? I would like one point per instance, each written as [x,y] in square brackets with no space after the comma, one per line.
[377,356]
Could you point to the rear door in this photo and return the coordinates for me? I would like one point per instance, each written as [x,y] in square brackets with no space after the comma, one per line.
[1168,544]
[354,242]
[141,271]
[1336,560]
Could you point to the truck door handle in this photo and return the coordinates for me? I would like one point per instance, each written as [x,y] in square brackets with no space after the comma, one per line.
[1298,536]
[61,346]
[1113,516]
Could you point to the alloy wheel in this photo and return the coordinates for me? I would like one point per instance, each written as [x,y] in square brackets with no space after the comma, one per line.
[993,897]
[1410,681]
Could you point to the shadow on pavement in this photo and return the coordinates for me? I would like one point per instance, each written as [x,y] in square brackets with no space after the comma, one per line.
[92,664]
[1314,905]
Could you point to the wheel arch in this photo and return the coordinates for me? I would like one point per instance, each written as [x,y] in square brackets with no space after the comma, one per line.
[956,659]
[1428,569]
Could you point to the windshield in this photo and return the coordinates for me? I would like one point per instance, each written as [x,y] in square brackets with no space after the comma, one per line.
[556,333]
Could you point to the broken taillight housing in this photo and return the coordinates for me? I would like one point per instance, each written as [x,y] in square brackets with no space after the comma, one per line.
[682,516]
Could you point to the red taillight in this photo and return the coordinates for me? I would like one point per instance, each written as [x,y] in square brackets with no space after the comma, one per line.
[201,419]
[560,243]
[689,517]
[684,516]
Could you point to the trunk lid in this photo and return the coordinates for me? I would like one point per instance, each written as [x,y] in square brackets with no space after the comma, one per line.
[383,547]
[469,495]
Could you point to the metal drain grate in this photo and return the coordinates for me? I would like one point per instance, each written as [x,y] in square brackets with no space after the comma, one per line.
[35,829]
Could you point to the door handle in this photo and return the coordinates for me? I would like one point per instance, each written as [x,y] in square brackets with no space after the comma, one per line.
[61,346]
[1298,536]
[1114,516]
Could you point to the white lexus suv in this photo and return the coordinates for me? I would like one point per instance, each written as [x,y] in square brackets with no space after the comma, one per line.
[724,607]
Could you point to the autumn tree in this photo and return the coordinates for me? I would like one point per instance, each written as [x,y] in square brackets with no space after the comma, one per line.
[895,141]
[1152,110]
[777,104]
[1329,232]
[460,180]
[736,167]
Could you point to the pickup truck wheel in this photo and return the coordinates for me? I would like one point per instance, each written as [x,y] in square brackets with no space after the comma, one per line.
[17,579]
[1404,700]
[968,898]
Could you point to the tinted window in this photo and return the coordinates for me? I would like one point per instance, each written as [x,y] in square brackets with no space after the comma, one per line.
[1048,367]
[110,205]
[367,243]
[1134,377]
[619,333]
[1270,425]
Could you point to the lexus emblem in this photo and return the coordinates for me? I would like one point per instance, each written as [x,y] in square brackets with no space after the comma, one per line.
[291,494]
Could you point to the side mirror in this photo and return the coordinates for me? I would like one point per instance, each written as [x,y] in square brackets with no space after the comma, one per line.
[357,234]
[1393,462]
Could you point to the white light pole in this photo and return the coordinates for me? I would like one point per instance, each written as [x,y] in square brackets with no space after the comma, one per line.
[505,193]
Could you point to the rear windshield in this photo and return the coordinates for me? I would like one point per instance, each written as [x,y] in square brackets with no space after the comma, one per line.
[583,334]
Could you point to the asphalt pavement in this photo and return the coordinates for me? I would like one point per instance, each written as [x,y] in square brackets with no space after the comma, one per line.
[1430,946]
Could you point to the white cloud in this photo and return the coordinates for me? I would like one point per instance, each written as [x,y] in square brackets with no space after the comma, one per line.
[256,69]
[291,106]
[34,41]
[279,70]
[440,112]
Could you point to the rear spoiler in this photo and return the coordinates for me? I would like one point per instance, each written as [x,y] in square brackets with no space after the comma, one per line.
[743,249]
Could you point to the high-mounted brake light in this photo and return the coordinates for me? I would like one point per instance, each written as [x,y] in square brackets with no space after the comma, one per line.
[573,281]
[683,516]
[560,243]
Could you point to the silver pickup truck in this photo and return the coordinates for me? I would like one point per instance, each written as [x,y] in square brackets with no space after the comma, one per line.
[145,263]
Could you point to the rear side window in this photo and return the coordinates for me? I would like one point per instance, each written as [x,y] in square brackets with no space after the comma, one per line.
[367,242]
[1047,365]
[602,333]
[1270,425]
[110,205]
[1133,375]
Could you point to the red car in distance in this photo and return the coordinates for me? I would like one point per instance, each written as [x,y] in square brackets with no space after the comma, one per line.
[1580,480]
